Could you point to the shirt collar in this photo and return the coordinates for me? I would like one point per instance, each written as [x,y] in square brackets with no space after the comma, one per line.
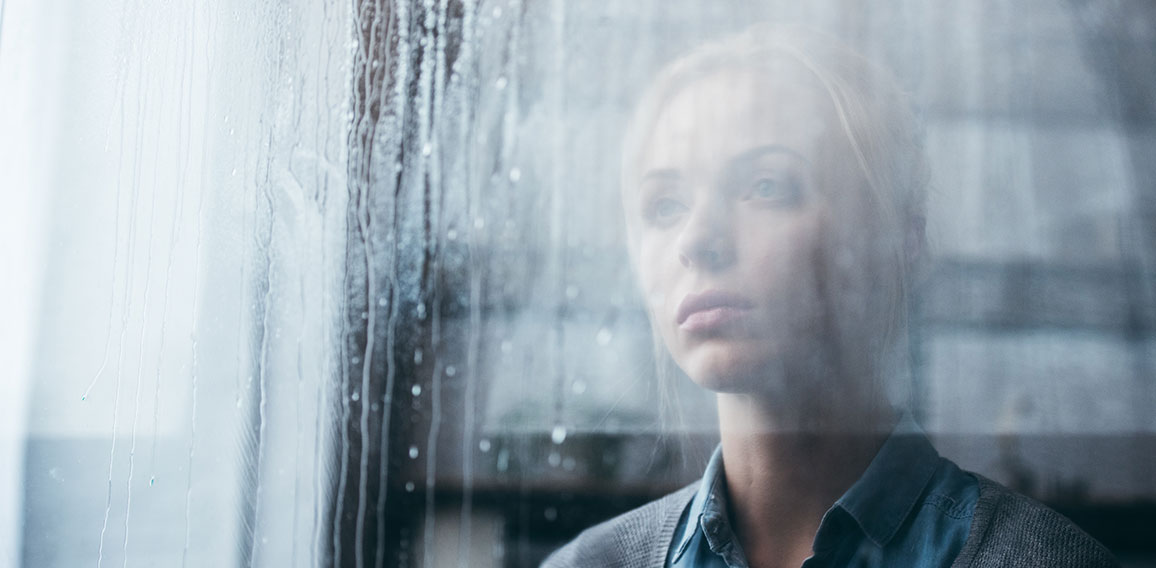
[707,508]
[879,501]
[889,489]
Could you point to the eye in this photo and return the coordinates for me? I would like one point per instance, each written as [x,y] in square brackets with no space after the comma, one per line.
[777,189]
[766,188]
[664,210]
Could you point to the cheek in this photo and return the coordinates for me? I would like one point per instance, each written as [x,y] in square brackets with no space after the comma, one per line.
[653,277]
[654,259]
[791,270]
[645,268]
[784,254]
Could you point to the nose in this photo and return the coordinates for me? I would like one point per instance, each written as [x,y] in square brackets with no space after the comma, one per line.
[706,242]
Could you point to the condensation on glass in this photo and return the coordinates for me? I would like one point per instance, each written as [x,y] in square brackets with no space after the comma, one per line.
[344,283]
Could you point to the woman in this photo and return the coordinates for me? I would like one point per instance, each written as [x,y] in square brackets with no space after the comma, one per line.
[773,189]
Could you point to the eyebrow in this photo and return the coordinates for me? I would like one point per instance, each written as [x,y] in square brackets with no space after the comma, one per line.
[670,174]
[663,174]
[757,152]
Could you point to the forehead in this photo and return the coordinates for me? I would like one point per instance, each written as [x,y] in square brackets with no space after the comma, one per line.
[727,112]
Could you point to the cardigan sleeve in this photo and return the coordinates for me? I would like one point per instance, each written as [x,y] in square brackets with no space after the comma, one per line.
[636,539]
[1011,530]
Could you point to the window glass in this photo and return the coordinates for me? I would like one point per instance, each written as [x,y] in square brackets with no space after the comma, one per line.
[310,283]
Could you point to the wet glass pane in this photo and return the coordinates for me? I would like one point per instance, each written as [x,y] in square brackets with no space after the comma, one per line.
[356,284]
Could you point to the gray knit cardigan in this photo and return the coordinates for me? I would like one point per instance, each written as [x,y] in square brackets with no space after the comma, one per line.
[1007,529]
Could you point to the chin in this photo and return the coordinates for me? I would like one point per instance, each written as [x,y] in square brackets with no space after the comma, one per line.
[731,371]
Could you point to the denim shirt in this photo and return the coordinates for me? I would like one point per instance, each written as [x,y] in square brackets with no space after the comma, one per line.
[910,507]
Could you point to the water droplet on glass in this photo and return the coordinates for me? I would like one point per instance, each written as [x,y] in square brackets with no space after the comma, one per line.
[234,172]
[416,390]
[152,481]
[382,301]
[604,336]
[356,396]
[452,234]
[451,370]
[500,83]
[497,12]
[568,464]
[413,452]
[421,310]
[484,445]
[479,223]
[355,360]
[558,435]
[503,460]
[426,149]
[554,459]
[83,398]
[551,513]
[409,487]
[515,174]
[417,356]
[571,292]
[507,346]
[578,387]
[375,407]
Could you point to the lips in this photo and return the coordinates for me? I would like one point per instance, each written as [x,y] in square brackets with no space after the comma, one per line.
[710,308]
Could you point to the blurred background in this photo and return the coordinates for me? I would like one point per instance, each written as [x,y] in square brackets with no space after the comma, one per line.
[306,283]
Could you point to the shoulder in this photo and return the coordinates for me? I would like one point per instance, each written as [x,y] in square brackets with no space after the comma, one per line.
[1009,529]
[636,538]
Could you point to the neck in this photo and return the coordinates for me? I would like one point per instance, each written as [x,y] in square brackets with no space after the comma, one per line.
[783,473]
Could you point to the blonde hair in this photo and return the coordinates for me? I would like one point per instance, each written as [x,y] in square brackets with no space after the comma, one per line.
[872,113]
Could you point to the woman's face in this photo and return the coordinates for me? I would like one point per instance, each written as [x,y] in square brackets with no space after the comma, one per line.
[732,214]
